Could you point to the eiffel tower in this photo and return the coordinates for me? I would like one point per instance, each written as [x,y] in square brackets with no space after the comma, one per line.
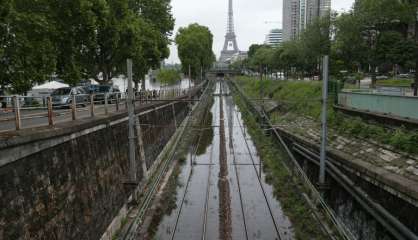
[230,45]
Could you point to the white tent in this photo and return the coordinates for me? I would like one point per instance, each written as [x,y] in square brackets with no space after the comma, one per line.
[45,90]
[50,85]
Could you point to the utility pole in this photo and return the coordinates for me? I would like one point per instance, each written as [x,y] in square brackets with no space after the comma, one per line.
[131,125]
[416,60]
[324,121]
[201,73]
[190,77]
[324,130]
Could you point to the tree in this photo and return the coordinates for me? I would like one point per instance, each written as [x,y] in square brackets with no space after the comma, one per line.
[414,22]
[253,49]
[376,17]
[136,29]
[194,45]
[291,57]
[27,53]
[168,76]
[262,59]
[80,39]
[349,44]
[394,49]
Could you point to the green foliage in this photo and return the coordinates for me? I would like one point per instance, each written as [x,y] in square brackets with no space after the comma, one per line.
[27,53]
[299,97]
[374,33]
[298,57]
[253,49]
[303,98]
[395,82]
[168,76]
[80,39]
[194,45]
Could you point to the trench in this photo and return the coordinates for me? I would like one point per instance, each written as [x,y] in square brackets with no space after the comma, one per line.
[222,191]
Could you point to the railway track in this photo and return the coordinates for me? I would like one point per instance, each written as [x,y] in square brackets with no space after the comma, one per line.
[133,229]
[259,177]
[200,131]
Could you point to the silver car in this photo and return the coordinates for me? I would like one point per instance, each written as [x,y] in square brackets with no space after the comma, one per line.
[63,97]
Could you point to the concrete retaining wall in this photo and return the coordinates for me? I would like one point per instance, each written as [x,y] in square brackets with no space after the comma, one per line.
[69,182]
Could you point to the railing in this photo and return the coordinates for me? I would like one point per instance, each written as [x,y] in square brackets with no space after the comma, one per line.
[18,112]
[392,105]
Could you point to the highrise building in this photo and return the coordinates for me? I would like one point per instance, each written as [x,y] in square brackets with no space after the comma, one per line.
[291,18]
[298,14]
[274,37]
[302,14]
[324,7]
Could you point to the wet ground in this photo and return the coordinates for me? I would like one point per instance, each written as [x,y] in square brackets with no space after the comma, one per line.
[203,205]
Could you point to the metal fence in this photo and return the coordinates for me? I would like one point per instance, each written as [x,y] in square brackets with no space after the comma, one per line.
[17,112]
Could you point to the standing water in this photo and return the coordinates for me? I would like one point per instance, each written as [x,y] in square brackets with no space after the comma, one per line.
[222,191]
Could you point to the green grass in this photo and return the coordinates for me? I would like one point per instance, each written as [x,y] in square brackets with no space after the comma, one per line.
[297,96]
[303,98]
[395,82]
[351,86]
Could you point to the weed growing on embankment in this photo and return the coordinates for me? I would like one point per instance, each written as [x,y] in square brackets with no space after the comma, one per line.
[299,98]
[285,190]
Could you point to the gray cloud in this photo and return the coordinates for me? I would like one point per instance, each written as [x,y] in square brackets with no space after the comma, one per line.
[250,19]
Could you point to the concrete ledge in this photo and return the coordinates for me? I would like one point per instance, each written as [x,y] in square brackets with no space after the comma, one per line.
[379,117]
[397,185]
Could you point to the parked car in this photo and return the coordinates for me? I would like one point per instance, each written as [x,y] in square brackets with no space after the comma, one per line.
[101,90]
[3,103]
[382,77]
[406,75]
[62,97]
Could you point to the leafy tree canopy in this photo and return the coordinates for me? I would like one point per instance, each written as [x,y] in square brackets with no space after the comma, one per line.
[194,45]
[79,39]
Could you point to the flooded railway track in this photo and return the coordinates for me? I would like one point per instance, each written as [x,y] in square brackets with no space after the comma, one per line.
[192,159]
[222,191]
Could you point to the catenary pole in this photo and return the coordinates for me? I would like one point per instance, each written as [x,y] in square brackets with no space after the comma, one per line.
[324,129]
[131,127]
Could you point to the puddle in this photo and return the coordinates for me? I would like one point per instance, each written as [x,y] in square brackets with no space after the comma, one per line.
[255,213]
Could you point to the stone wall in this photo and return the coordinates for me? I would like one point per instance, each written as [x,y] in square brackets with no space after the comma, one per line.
[69,182]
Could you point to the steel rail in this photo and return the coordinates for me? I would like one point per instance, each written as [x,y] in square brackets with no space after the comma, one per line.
[133,228]
[205,217]
[238,181]
[259,178]
[343,231]
[391,223]
[193,157]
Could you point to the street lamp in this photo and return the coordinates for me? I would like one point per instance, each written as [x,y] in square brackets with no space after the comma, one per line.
[371,35]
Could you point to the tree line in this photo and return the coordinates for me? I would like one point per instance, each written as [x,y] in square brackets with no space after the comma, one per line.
[80,39]
[374,36]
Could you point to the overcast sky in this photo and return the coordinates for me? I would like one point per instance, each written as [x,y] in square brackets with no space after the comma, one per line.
[250,19]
